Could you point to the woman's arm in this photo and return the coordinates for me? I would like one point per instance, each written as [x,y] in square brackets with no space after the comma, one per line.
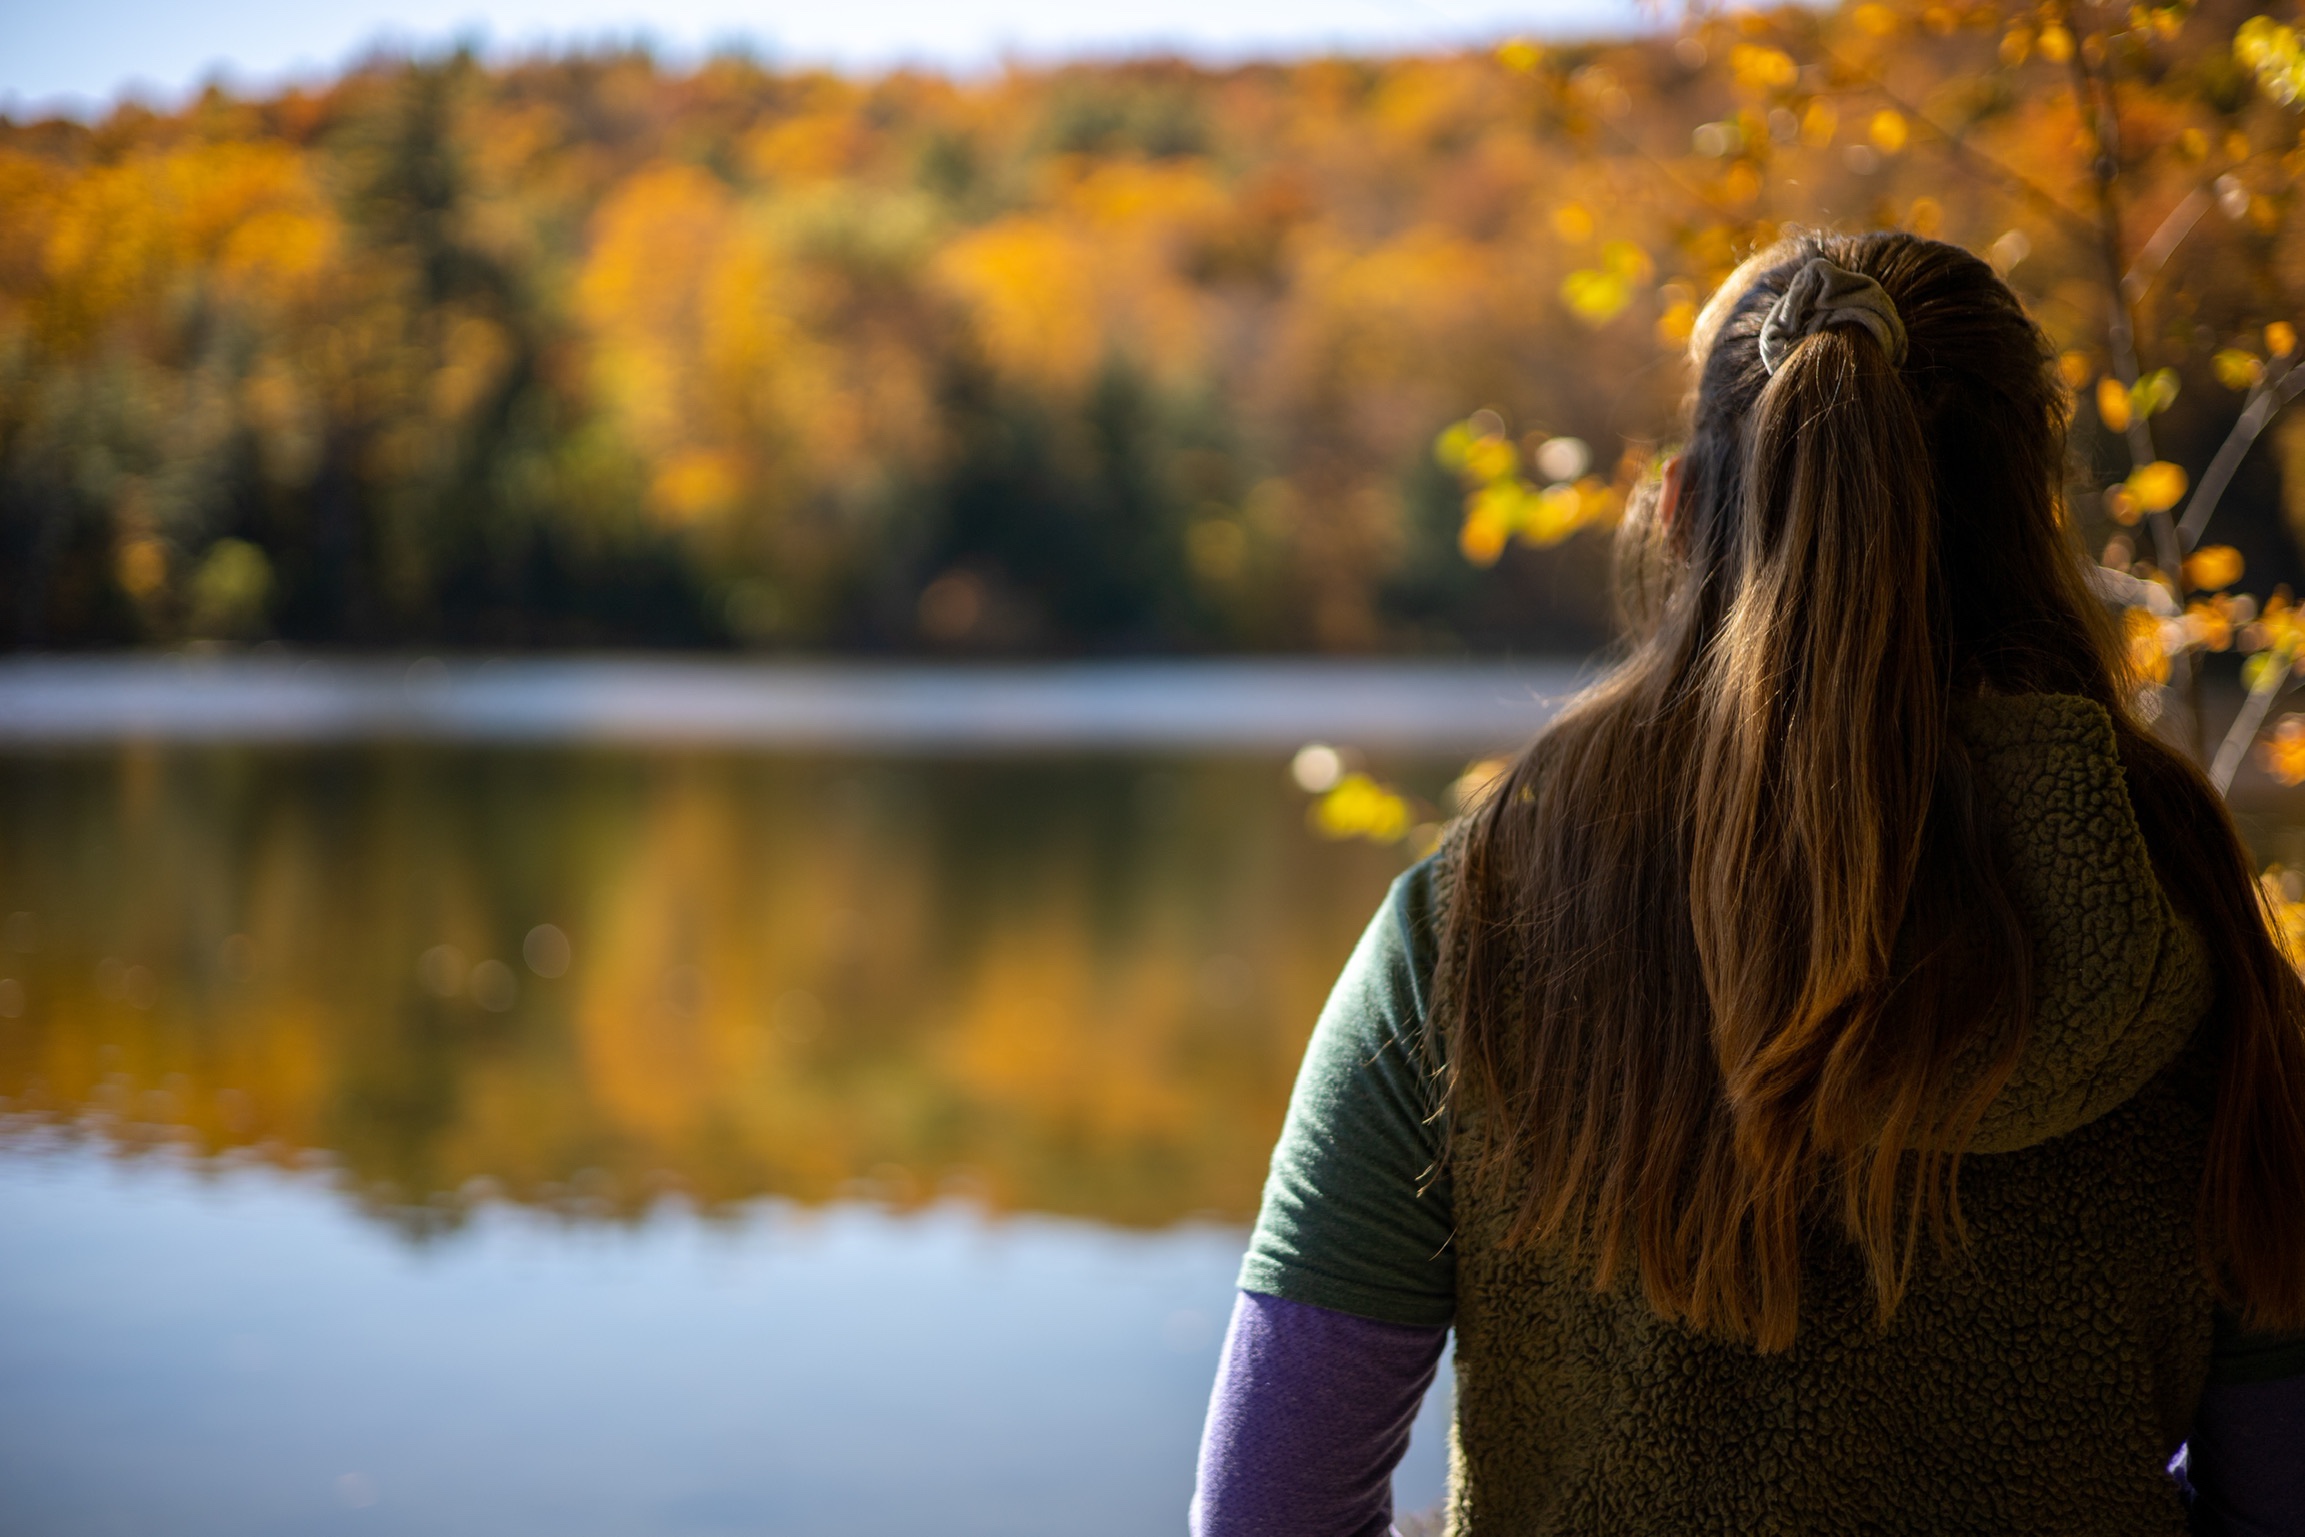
[1310,1415]
[1350,1281]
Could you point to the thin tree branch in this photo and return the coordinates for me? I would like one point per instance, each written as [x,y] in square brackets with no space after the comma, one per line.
[2246,726]
[2095,97]
[2265,402]
[2131,591]
[2155,253]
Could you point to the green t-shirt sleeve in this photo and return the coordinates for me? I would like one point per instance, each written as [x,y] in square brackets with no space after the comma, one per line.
[1355,1216]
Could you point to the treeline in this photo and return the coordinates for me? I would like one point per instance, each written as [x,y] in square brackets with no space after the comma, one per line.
[586,351]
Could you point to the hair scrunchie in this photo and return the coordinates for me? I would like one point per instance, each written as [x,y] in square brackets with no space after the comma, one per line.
[1823,295]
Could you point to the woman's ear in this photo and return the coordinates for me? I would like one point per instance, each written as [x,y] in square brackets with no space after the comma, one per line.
[1669,493]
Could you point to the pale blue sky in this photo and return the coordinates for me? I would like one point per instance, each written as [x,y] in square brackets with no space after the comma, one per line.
[78,54]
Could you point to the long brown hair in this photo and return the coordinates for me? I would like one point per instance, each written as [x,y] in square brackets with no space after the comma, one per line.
[1728,940]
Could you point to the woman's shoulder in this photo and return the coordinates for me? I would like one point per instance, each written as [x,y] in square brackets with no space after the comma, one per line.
[1415,912]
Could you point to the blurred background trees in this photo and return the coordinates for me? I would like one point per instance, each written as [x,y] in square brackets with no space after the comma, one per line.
[1105,358]
[2140,162]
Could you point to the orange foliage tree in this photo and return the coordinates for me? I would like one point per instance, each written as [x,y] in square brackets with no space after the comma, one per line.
[1139,356]
[2131,169]
[1098,357]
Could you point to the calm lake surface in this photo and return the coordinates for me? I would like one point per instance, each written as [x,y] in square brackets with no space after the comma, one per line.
[415,1136]
[562,1133]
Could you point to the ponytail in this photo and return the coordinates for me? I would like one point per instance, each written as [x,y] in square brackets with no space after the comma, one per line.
[1823,711]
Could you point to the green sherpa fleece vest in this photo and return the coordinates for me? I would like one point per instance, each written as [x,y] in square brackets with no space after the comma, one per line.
[2035,1380]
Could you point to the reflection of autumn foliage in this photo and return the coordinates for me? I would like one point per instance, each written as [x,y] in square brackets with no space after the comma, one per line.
[1060,988]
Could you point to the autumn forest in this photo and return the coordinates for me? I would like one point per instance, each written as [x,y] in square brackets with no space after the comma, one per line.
[587,351]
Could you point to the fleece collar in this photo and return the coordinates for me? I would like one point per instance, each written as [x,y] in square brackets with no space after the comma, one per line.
[2119,979]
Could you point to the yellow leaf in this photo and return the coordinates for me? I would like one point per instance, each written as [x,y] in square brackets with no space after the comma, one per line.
[1762,69]
[2213,566]
[1359,807]
[2056,44]
[1481,541]
[1819,123]
[1599,503]
[2158,486]
[2076,368]
[2283,755]
[1451,447]
[1876,19]
[2282,887]
[2237,370]
[2208,625]
[1595,296]
[1551,515]
[2277,631]
[2275,54]
[1888,131]
[2154,393]
[2112,404]
[1491,458]
[1573,222]
[2280,338]
[1491,515]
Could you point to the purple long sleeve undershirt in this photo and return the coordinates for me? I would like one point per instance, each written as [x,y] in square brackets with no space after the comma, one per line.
[1310,1415]
[1312,1408]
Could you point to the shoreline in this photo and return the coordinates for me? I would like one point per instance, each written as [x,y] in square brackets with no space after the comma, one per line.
[1196,704]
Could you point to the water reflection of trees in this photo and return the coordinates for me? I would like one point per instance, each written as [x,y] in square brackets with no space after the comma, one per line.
[1065,986]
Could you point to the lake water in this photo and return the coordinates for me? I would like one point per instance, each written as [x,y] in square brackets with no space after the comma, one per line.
[555,1132]
[404,1134]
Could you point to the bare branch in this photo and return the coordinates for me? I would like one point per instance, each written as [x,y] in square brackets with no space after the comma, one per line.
[2265,402]
[2245,727]
[2156,251]
[2133,592]
[2095,97]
